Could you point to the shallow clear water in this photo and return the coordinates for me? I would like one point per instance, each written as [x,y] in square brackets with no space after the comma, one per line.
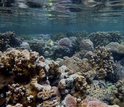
[61,17]
[74,57]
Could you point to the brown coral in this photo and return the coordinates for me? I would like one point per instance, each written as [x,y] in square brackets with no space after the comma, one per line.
[104,38]
[101,61]
[20,63]
[80,85]
[4,81]
[118,93]
[16,93]
[46,94]
[16,105]
[49,104]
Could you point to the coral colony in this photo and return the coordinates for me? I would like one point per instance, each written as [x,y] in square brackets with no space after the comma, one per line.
[85,79]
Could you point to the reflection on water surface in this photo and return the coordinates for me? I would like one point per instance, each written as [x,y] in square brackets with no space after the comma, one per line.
[50,16]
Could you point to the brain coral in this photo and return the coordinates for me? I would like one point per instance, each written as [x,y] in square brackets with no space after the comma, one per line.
[65,42]
[46,94]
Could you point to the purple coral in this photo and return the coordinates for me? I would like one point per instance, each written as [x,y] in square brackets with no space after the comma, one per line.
[65,42]
[70,101]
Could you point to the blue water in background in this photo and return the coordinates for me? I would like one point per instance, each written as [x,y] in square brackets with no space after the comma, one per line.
[39,21]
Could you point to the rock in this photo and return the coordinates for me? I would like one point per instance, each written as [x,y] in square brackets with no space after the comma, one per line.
[25,45]
[115,47]
[86,44]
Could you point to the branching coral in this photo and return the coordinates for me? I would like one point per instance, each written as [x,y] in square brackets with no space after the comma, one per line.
[118,93]
[101,61]
[75,84]
[20,63]
[44,83]
[104,38]
[16,93]
[20,94]
[48,71]
[54,73]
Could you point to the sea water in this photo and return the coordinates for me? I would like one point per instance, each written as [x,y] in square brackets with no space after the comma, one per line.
[80,47]
[61,16]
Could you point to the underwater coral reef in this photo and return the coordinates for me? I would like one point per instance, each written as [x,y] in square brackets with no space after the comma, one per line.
[85,79]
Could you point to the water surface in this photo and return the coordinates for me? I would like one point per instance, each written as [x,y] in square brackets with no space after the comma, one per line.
[61,16]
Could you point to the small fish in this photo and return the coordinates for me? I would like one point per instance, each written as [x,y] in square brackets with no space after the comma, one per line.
[50,42]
